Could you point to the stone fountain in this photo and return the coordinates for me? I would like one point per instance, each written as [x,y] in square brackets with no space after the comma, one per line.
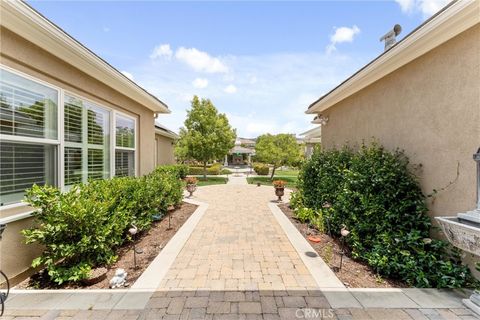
[463,231]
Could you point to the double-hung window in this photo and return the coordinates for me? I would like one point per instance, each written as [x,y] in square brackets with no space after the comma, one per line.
[124,146]
[28,135]
[87,141]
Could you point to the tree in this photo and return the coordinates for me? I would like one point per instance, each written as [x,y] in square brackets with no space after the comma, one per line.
[207,135]
[278,150]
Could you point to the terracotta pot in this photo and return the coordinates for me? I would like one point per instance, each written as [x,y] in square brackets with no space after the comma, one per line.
[191,188]
[279,192]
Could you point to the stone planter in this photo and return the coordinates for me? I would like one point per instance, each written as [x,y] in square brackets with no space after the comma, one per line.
[461,234]
[279,192]
[191,188]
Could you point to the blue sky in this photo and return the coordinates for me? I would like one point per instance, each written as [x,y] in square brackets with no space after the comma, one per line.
[261,63]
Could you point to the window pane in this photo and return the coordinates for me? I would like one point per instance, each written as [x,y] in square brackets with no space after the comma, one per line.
[125,132]
[124,163]
[27,108]
[96,168]
[73,119]
[21,166]
[73,165]
[87,141]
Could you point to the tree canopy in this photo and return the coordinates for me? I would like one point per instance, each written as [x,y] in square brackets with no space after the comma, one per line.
[207,134]
[278,150]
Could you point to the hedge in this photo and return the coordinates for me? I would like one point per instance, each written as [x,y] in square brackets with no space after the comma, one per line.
[82,228]
[261,169]
[375,195]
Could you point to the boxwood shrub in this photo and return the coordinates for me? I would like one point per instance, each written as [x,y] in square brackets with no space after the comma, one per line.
[374,193]
[82,228]
[261,169]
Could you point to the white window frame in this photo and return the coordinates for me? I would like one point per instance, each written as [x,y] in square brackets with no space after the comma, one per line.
[60,141]
[111,113]
[57,142]
[136,140]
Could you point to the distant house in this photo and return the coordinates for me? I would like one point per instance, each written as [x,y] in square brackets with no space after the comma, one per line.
[66,116]
[423,96]
[164,145]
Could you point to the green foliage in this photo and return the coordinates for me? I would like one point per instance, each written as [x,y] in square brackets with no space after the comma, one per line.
[207,135]
[180,170]
[261,169]
[373,193]
[278,150]
[225,171]
[214,169]
[82,228]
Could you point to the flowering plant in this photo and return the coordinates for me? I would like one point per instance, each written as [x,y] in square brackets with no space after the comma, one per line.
[279,184]
[191,180]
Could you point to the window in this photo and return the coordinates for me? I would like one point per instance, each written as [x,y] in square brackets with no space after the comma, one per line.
[124,146]
[87,141]
[29,137]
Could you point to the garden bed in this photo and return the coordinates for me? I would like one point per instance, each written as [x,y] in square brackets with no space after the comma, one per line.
[353,274]
[151,242]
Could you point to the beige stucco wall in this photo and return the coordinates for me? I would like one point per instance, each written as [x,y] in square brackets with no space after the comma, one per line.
[431,109]
[164,149]
[23,56]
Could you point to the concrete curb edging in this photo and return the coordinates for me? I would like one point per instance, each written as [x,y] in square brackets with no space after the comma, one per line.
[322,274]
[156,271]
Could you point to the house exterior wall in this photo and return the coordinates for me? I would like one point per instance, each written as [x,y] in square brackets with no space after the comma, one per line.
[25,57]
[431,109]
[164,150]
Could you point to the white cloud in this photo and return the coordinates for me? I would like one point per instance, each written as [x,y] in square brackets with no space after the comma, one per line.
[230,89]
[127,74]
[200,60]
[200,83]
[162,50]
[106,29]
[342,34]
[426,7]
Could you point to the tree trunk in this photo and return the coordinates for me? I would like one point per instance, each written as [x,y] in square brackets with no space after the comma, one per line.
[205,170]
[273,173]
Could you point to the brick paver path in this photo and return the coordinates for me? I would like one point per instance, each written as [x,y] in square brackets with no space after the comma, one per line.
[238,245]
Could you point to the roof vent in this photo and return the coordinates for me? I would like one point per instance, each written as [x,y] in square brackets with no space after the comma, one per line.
[389,37]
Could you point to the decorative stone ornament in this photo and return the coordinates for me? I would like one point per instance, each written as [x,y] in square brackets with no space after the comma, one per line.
[463,231]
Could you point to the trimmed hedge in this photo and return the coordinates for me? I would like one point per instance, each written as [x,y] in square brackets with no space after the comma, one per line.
[261,169]
[82,228]
[214,169]
[374,194]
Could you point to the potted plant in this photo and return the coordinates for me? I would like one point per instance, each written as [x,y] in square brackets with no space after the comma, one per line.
[279,186]
[191,184]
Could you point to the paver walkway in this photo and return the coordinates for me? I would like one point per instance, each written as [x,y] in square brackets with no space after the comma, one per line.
[239,262]
[238,245]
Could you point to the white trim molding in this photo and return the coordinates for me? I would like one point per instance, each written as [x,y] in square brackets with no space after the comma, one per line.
[459,16]
[23,20]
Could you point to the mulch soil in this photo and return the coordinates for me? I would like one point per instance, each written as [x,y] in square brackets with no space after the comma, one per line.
[150,242]
[353,274]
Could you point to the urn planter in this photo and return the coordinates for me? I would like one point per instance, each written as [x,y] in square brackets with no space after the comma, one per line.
[191,188]
[279,192]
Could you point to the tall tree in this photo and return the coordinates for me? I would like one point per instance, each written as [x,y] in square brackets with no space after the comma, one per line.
[278,150]
[207,135]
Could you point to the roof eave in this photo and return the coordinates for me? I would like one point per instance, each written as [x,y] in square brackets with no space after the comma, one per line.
[458,17]
[20,18]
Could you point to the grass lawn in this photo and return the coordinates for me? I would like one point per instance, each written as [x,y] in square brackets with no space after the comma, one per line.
[286,173]
[265,180]
[211,180]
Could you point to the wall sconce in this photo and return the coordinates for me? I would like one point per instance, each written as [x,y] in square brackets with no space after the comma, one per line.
[320,119]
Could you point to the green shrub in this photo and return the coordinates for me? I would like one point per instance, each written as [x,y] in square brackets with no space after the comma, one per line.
[195,171]
[261,169]
[225,171]
[181,170]
[214,169]
[82,228]
[373,193]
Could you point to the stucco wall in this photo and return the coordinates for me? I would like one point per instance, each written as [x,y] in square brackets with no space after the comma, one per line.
[164,150]
[431,109]
[21,55]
